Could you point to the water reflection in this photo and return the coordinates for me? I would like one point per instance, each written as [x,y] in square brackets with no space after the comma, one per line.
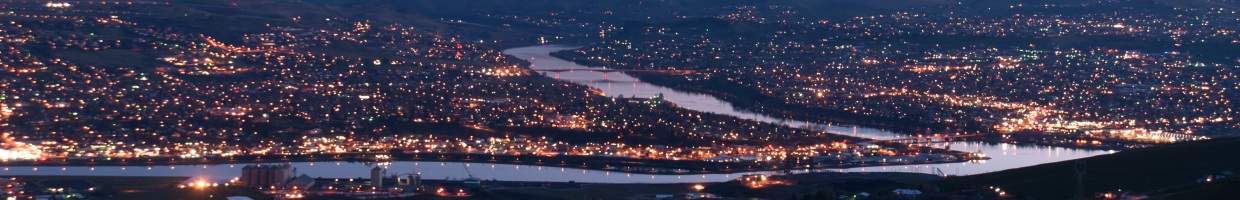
[1004,156]
[428,170]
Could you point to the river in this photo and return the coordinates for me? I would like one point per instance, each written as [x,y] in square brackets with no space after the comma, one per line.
[1003,156]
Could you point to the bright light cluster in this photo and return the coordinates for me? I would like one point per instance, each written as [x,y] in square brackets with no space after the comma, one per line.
[58,5]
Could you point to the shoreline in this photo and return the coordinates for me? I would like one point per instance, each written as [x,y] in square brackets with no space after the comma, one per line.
[842,118]
[626,165]
[761,105]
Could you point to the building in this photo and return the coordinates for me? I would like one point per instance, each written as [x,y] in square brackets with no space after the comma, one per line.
[376,176]
[411,181]
[301,182]
[265,176]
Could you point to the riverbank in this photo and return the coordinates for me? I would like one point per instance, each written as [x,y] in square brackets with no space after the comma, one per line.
[754,101]
[789,187]
[1003,155]
[119,188]
[1190,170]
[611,164]
[142,188]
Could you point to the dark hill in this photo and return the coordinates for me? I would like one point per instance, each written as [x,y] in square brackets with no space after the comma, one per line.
[1169,171]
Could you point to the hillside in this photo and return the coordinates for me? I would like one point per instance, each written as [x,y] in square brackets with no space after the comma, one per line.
[1171,172]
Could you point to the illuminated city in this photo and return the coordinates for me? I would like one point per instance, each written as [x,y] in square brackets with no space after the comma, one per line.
[784,99]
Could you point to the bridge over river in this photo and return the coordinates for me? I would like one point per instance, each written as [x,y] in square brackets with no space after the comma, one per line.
[605,70]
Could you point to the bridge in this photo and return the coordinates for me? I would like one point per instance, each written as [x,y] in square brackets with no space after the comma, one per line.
[660,71]
[929,139]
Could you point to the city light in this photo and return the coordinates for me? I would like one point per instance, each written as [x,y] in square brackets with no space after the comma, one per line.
[57,5]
